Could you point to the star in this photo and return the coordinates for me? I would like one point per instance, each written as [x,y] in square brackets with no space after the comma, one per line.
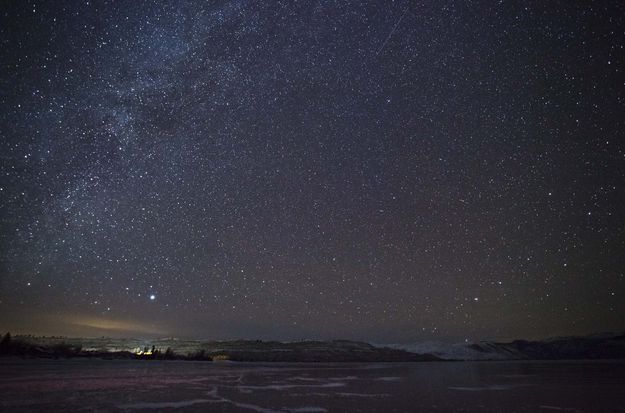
[359,173]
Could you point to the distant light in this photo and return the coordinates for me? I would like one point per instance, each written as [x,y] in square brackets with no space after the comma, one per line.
[152,297]
[476,299]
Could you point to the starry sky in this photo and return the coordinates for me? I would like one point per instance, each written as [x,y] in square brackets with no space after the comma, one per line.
[390,171]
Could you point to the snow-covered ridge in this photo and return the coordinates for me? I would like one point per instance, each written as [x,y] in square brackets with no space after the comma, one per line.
[596,346]
[448,351]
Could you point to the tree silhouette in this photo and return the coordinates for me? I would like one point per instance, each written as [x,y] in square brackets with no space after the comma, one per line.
[5,343]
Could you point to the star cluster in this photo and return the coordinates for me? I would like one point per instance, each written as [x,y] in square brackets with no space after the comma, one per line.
[387,171]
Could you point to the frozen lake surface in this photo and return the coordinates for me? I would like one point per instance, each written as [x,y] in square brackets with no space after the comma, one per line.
[151,386]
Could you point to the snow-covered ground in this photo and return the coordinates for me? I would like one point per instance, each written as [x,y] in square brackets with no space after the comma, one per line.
[448,351]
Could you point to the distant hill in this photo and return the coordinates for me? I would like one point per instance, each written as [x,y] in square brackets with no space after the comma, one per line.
[604,346]
[237,350]
[598,346]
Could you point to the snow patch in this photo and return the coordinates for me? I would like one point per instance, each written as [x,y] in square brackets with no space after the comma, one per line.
[362,395]
[163,405]
[564,409]
[249,389]
[447,351]
[491,387]
[390,378]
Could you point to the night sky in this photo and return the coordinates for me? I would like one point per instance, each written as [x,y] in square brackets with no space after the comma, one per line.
[384,171]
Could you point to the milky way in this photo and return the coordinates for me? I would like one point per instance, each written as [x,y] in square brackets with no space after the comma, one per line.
[389,171]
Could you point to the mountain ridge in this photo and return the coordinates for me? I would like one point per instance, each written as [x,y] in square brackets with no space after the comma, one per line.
[594,346]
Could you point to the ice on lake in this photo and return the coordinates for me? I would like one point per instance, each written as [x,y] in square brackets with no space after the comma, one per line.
[185,386]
